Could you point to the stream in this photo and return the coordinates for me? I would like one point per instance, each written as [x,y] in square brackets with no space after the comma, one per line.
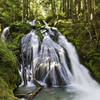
[67,94]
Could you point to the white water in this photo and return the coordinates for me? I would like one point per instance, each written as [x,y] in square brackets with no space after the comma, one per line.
[80,73]
[30,50]
[56,64]
[32,23]
[5,33]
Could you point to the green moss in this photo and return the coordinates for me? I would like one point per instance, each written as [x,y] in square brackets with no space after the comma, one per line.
[8,66]
[5,92]
[20,27]
[40,35]
[9,76]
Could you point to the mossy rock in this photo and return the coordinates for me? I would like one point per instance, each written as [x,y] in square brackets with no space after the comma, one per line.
[5,92]
[20,27]
[8,67]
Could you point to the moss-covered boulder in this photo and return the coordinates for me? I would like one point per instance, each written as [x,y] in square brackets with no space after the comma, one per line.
[9,76]
[5,92]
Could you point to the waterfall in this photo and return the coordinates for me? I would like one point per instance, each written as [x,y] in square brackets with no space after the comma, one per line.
[81,75]
[5,33]
[52,62]
[32,23]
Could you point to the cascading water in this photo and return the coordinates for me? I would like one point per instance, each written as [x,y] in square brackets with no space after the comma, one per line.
[30,47]
[80,73]
[52,63]
[32,23]
[5,33]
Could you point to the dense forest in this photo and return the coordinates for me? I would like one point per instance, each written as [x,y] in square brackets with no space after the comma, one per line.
[78,20]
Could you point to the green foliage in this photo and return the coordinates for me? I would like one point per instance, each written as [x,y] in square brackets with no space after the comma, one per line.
[20,27]
[73,24]
[40,35]
[9,76]
[9,11]
[17,30]
[61,15]
[50,19]
[5,92]
[94,62]
[8,67]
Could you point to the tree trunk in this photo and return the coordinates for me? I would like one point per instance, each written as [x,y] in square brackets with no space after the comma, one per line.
[92,9]
[89,9]
[53,7]
[27,8]
[71,8]
[23,10]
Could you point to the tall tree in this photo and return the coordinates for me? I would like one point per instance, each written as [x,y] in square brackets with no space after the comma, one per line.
[23,10]
[92,9]
[25,7]
[53,7]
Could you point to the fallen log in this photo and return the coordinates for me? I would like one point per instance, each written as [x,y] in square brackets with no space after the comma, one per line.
[32,94]
[36,91]
[37,84]
[21,95]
